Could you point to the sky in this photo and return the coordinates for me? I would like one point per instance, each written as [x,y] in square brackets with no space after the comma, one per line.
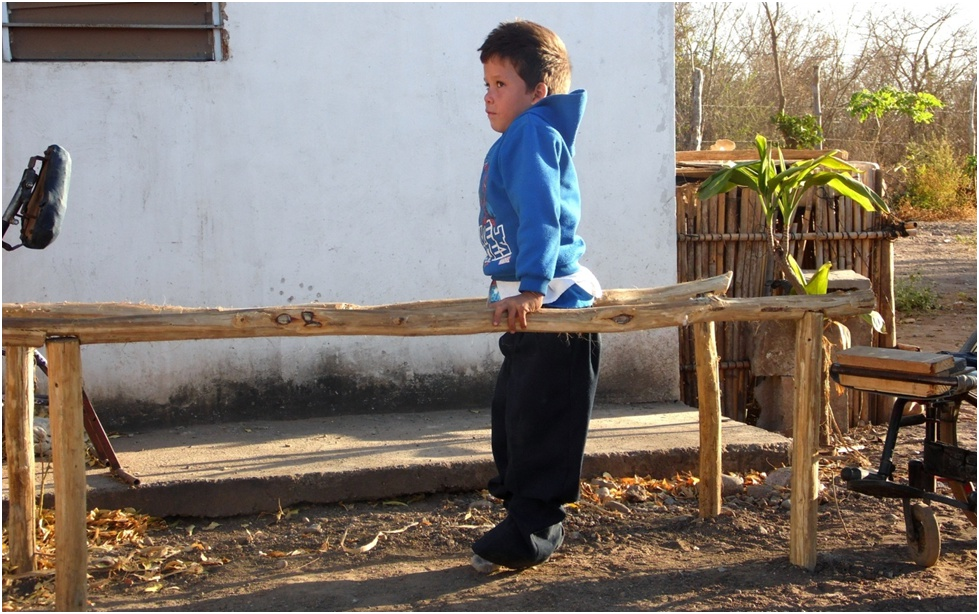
[841,14]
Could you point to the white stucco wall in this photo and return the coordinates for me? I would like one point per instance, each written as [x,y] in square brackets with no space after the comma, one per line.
[334,157]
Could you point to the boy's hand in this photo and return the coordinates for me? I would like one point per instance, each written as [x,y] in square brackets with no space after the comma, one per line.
[516,309]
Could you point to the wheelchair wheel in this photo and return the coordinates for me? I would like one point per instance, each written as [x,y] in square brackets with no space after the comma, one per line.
[924,536]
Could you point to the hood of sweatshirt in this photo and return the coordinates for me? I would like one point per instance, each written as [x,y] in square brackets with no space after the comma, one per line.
[563,112]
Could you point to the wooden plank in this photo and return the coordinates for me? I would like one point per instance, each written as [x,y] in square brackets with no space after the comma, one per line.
[626,296]
[805,441]
[18,424]
[900,388]
[890,359]
[709,405]
[751,154]
[68,447]
[24,338]
[411,321]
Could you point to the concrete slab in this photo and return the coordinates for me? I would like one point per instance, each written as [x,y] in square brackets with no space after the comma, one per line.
[247,467]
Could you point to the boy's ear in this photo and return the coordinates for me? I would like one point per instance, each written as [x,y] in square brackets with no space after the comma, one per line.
[540,92]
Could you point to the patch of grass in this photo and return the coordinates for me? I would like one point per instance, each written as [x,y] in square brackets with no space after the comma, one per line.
[914,295]
[966,239]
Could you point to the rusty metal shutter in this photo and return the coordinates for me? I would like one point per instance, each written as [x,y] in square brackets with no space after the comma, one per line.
[114,31]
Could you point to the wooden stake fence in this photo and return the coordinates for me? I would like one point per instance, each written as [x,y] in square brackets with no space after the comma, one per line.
[63,328]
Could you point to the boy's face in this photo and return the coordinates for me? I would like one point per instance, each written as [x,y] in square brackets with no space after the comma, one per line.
[506,93]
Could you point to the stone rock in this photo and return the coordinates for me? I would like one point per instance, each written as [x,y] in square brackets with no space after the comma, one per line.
[772,350]
[42,438]
[731,485]
[780,478]
[760,491]
[775,397]
[772,357]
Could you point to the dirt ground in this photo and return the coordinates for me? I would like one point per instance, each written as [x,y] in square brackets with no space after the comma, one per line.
[646,550]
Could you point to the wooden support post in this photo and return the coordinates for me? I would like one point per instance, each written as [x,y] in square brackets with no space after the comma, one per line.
[888,310]
[68,444]
[805,444]
[709,402]
[18,423]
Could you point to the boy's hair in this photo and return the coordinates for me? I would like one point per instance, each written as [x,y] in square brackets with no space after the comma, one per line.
[537,54]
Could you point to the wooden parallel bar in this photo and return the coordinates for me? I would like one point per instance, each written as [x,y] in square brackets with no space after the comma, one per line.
[626,296]
[314,320]
[142,324]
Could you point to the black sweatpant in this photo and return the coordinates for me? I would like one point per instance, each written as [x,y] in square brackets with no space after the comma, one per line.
[541,409]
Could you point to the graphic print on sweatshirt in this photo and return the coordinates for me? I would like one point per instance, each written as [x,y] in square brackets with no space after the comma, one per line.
[492,235]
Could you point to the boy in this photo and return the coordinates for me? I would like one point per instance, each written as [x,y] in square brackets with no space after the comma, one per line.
[529,211]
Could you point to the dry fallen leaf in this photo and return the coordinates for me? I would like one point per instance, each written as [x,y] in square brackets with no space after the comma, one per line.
[359,549]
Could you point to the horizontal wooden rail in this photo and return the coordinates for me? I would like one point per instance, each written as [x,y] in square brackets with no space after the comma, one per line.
[31,325]
[711,285]
[887,233]
[752,154]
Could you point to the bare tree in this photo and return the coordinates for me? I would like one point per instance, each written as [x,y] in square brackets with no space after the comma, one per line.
[737,45]
[708,38]
[773,39]
[917,54]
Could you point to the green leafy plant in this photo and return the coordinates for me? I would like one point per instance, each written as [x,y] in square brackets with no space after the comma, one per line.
[937,185]
[799,131]
[917,106]
[911,295]
[780,188]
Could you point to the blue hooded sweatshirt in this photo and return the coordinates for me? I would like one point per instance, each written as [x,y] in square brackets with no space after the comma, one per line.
[529,200]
